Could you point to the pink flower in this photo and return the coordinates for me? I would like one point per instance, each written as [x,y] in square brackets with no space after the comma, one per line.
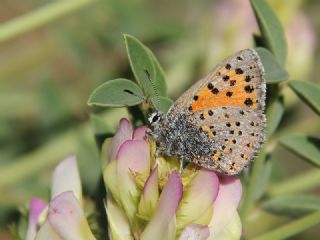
[149,199]
[62,217]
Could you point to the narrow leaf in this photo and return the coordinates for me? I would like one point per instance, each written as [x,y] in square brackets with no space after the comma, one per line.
[292,228]
[263,180]
[116,93]
[145,67]
[274,114]
[308,92]
[292,205]
[274,72]
[305,146]
[271,30]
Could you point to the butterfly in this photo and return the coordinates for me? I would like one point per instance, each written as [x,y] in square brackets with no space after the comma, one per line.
[219,122]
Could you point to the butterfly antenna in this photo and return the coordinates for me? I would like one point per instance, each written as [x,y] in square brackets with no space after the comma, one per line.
[153,86]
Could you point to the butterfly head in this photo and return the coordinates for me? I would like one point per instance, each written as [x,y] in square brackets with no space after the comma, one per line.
[155,118]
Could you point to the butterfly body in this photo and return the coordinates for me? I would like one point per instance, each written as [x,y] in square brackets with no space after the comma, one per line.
[219,122]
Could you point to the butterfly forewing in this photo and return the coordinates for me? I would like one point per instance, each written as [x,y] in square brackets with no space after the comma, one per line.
[227,105]
[238,81]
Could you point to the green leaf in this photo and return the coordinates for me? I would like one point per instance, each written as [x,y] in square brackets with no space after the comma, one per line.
[145,67]
[274,72]
[274,115]
[292,205]
[271,30]
[160,79]
[263,180]
[116,93]
[308,92]
[305,146]
[162,104]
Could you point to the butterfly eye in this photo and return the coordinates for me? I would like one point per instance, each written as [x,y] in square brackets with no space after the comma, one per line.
[154,118]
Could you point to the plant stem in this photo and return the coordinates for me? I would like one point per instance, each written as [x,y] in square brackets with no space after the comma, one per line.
[300,183]
[248,197]
[292,228]
[39,17]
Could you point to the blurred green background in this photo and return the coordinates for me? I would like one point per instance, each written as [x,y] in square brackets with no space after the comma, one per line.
[49,66]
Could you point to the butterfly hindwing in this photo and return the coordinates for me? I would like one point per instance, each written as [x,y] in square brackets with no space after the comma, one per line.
[235,134]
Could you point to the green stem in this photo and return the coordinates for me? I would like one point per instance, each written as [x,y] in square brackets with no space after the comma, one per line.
[300,183]
[248,197]
[292,228]
[39,17]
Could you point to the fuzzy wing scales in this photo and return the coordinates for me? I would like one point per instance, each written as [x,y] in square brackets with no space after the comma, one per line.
[238,81]
[228,106]
[236,136]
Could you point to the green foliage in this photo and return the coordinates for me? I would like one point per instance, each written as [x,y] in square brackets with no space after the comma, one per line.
[308,92]
[99,125]
[273,40]
[272,34]
[162,103]
[148,74]
[263,180]
[145,67]
[292,205]
[268,184]
[292,228]
[116,93]
[305,146]
[274,72]
[274,115]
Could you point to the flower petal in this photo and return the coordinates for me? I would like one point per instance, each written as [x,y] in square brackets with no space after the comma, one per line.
[111,180]
[140,133]
[162,224]
[149,196]
[67,218]
[37,205]
[46,232]
[232,231]
[133,157]
[226,204]
[165,168]
[195,232]
[198,199]
[66,177]
[119,227]
[123,134]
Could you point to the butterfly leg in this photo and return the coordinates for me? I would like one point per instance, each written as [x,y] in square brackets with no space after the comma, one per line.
[156,155]
[182,164]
